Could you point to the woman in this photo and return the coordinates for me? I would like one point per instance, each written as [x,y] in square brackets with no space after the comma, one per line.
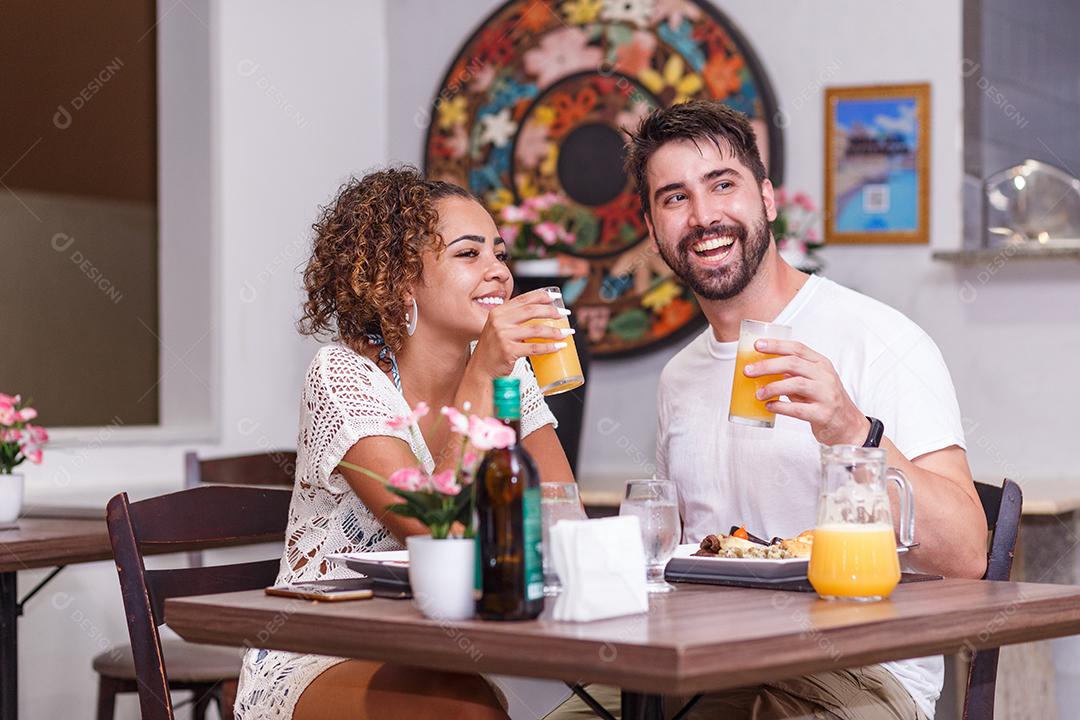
[406,273]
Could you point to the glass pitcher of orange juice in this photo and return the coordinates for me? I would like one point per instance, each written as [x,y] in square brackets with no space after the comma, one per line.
[854,551]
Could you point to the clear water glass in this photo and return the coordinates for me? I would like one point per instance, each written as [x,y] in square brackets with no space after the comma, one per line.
[655,503]
[558,501]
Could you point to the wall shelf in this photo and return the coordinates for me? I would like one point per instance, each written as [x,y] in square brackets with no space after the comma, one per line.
[985,255]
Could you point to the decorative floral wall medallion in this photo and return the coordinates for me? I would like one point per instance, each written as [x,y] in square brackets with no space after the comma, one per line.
[534,103]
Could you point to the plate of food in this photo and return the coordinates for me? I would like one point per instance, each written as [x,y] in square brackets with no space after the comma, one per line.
[740,557]
[736,555]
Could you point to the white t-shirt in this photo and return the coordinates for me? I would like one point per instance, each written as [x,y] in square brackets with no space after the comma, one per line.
[769,480]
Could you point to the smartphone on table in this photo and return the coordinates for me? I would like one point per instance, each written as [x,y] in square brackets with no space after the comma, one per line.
[327,590]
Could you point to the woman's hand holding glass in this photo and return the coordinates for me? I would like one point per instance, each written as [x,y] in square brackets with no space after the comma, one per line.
[503,340]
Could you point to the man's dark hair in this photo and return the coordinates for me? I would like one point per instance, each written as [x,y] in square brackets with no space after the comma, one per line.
[698,121]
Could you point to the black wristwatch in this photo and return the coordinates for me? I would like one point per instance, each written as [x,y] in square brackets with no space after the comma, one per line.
[877,430]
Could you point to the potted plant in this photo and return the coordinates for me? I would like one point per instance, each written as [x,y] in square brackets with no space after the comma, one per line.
[19,441]
[795,231]
[442,564]
[538,231]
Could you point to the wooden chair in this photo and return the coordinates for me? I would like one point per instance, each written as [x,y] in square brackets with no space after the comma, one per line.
[271,468]
[198,668]
[1002,506]
[198,518]
[274,467]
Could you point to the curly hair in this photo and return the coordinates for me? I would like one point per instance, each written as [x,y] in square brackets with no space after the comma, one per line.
[367,255]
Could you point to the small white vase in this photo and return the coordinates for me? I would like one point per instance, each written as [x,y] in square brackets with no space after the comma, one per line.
[11,497]
[442,575]
[537,267]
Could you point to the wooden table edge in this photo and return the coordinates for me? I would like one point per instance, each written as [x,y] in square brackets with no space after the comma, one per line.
[645,668]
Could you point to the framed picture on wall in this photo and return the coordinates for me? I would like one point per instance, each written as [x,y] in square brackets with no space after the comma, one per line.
[877,159]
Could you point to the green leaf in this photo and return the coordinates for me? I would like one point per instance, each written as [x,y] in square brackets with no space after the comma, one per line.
[630,325]
[463,506]
[585,226]
[408,511]
[619,34]
[627,233]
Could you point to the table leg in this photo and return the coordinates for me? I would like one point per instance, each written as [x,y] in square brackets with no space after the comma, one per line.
[9,651]
[642,706]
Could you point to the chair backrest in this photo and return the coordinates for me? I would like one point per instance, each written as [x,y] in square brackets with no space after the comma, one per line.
[1002,506]
[270,468]
[274,467]
[199,518]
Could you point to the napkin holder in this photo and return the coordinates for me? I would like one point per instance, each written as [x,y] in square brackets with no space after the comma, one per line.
[601,565]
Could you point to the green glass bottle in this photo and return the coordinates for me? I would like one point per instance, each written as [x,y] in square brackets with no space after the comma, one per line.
[511,575]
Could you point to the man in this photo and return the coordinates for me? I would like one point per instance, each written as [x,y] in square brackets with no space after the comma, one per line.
[707,206]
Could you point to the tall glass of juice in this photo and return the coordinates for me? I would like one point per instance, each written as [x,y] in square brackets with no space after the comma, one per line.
[745,408]
[559,371]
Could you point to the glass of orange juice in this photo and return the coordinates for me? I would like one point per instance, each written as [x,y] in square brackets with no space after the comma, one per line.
[745,408]
[854,553]
[559,371]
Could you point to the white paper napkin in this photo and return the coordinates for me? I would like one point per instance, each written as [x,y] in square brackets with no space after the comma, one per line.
[601,564]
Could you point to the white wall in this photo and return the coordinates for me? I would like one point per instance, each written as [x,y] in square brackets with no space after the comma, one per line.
[297,92]
[808,45]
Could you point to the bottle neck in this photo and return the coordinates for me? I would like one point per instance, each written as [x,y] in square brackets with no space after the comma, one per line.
[515,425]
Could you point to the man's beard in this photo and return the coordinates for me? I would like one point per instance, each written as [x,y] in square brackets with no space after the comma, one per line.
[726,281]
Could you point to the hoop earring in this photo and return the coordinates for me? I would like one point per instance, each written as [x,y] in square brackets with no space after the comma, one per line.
[410,320]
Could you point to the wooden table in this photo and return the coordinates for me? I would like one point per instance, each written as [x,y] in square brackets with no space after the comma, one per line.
[68,536]
[697,639]
[38,543]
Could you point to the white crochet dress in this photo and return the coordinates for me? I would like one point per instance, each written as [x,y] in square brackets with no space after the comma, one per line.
[346,397]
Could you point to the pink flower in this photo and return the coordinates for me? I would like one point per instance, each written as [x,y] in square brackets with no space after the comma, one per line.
[803,200]
[812,235]
[27,414]
[515,214]
[458,142]
[10,435]
[483,78]
[469,459]
[33,454]
[446,483]
[560,53]
[38,435]
[532,145]
[509,233]
[8,414]
[488,433]
[542,202]
[458,422]
[409,420]
[548,232]
[674,12]
[411,479]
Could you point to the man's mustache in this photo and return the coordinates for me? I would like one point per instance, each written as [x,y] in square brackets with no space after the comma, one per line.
[698,234]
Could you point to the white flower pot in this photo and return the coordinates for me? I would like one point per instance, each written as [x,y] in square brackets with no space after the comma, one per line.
[11,497]
[539,267]
[442,574]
